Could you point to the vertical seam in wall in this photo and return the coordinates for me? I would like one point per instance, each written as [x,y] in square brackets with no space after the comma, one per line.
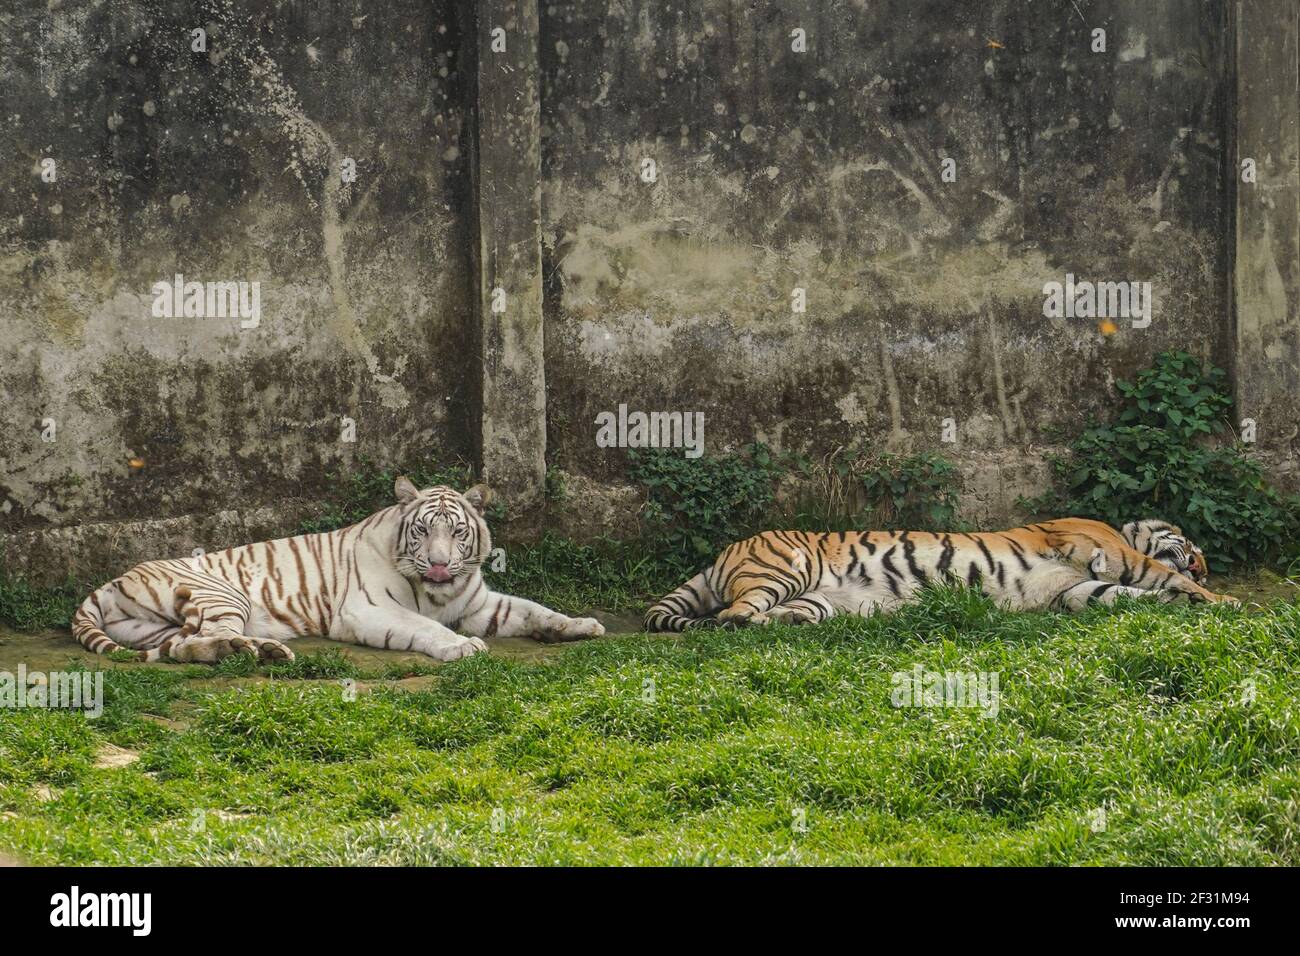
[469,63]
[540,80]
[1232,95]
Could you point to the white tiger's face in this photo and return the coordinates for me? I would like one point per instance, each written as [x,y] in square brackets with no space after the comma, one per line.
[1167,544]
[441,537]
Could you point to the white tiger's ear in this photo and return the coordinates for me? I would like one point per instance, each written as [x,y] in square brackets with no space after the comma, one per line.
[405,490]
[478,497]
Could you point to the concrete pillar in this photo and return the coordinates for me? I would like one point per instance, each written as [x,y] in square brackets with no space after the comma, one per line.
[506,177]
[1266,273]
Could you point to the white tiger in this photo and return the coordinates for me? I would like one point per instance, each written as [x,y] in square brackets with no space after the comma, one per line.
[406,578]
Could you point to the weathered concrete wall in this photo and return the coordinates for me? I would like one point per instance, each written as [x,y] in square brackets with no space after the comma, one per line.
[1266,276]
[823,170]
[918,168]
[508,256]
[226,163]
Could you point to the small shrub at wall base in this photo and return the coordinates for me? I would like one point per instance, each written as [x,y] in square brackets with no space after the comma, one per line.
[695,507]
[916,492]
[1170,454]
[554,486]
[856,488]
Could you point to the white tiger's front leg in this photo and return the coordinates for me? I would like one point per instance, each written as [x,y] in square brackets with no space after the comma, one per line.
[504,616]
[398,629]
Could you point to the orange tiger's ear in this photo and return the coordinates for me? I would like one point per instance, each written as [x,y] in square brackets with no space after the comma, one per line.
[478,497]
[405,490]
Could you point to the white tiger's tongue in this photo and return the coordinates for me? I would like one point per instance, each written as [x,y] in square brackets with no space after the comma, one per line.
[438,573]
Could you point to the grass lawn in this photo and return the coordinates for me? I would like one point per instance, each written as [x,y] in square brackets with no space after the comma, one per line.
[774,745]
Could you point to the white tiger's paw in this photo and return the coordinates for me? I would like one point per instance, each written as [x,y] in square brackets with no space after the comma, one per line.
[454,651]
[270,650]
[211,648]
[572,629]
[583,627]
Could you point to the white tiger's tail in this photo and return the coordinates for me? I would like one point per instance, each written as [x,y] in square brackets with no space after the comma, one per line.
[687,606]
[88,629]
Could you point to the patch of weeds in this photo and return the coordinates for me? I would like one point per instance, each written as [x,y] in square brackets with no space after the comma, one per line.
[329,664]
[266,723]
[45,746]
[554,486]
[130,692]
[909,491]
[857,488]
[25,607]
[236,665]
[697,506]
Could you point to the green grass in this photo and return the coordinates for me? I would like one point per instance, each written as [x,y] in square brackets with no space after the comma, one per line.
[614,576]
[749,735]
[29,608]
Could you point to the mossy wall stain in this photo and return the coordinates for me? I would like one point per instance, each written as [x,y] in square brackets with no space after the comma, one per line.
[227,163]
[824,171]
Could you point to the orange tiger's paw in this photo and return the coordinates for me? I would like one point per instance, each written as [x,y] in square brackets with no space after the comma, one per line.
[736,616]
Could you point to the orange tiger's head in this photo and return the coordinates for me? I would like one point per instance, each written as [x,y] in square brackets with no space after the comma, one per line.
[441,536]
[1167,544]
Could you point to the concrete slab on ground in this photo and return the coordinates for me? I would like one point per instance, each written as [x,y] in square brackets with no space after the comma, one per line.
[56,650]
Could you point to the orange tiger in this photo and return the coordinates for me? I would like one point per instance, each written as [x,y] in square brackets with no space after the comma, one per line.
[407,578]
[799,576]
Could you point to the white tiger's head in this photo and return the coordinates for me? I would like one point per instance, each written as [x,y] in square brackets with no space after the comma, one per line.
[1167,544]
[441,536]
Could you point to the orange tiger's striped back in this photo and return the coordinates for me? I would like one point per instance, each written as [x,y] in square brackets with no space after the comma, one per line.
[801,576]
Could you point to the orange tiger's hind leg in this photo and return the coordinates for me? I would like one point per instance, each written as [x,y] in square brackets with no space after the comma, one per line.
[752,604]
[774,568]
[754,596]
[810,608]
